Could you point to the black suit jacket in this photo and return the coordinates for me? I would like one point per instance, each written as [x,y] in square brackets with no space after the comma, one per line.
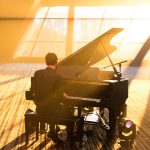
[47,83]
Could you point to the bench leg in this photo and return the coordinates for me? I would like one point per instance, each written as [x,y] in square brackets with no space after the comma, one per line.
[27,129]
[37,130]
[29,121]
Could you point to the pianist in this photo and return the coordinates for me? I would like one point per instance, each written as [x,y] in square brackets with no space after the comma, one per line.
[47,83]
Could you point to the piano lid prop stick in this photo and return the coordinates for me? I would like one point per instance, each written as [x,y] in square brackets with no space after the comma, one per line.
[115,64]
[118,74]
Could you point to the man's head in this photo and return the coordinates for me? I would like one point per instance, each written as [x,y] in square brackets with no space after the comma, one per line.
[51,59]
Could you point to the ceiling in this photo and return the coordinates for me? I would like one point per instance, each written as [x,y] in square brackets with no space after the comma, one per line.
[28,8]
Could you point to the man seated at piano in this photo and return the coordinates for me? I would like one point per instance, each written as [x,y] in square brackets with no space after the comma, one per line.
[84,86]
[47,83]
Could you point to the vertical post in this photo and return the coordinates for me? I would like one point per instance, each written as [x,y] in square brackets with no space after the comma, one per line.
[69,40]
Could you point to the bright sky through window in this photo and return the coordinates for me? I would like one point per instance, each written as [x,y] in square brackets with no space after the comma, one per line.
[51,27]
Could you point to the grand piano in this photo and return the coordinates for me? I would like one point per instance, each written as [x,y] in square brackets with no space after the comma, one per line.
[87,86]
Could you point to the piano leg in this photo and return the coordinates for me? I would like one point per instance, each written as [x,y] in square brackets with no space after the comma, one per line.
[111,133]
[114,113]
[81,124]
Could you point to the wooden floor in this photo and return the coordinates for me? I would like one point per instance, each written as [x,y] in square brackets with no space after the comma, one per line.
[15,80]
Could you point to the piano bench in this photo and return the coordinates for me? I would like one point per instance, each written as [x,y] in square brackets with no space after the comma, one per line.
[32,120]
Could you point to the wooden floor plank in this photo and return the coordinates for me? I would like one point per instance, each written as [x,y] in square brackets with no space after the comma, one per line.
[15,80]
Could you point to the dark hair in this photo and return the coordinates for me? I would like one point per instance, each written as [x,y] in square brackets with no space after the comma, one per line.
[51,58]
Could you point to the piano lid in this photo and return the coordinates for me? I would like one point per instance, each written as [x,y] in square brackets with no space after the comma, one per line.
[93,52]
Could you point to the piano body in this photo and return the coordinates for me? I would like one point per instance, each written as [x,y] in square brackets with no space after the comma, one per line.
[86,86]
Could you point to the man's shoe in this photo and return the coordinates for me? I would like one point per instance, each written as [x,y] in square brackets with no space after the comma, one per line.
[54,137]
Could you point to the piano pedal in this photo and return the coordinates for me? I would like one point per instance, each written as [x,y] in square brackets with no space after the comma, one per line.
[103,123]
[101,112]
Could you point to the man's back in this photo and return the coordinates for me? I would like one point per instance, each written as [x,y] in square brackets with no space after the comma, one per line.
[47,82]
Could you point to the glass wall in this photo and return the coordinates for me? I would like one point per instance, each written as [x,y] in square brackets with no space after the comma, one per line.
[50,30]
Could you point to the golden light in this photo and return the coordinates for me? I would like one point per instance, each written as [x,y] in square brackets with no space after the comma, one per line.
[49,30]
[89,12]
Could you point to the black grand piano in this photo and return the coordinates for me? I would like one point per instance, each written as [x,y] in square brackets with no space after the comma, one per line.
[86,86]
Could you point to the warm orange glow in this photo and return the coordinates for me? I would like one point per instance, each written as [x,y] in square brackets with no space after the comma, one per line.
[49,30]
[89,12]
[58,12]
[41,12]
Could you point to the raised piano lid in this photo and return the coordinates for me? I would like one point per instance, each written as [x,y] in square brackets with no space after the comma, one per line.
[93,52]
[77,65]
